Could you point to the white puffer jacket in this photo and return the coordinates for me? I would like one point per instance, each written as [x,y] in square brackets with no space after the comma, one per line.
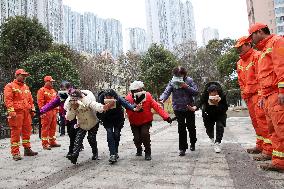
[86,112]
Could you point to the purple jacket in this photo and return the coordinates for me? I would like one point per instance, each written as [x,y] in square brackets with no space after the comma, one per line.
[181,97]
[53,104]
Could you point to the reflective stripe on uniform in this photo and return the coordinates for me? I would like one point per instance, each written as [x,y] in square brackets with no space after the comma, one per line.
[267,141]
[15,144]
[259,137]
[44,138]
[278,154]
[250,65]
[11,109]
[281,85]
[269,50]
[25,141]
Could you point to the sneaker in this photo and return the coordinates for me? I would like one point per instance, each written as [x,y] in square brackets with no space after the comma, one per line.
[95,156]
[117,156]
[182,153]
[17,157]
[148,157]
[112,159]
[217,147]
[29,152]
[270,167]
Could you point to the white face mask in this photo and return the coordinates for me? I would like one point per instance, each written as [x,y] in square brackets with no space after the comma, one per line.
[140,97]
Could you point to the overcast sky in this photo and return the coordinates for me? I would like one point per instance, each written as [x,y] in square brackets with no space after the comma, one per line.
[228,16]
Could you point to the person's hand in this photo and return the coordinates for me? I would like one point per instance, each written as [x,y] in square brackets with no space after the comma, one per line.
[74,105]
[261,103]
[108,105]
[169,120]
[281,99]
[184,85]
[214,101]
[138,108]
[12,115]
[192,108]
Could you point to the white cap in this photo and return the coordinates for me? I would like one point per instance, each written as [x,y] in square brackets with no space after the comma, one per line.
[136,85]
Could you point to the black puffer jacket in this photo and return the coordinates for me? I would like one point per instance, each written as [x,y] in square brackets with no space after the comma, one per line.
[212,111]
[115,115]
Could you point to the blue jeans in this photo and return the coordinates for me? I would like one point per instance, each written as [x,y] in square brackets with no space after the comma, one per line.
[113,138]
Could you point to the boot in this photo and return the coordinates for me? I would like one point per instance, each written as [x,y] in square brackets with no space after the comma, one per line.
[262,157]
[73,158]
[46,147]
[182,153]
[253,150]
[68,155]
[270,167]
[192,147]
[54,145]
[139,152]
[148,156]
[29,152]
[95,152]
[116,155]
[17,157]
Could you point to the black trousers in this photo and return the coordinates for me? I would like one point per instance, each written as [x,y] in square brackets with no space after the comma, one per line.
[72,132]
[141,135]
[92,139]
[209,123]
[186,120]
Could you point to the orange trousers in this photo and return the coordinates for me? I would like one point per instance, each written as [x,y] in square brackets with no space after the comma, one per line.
[275,119]
[20,125]
[48,128]
[257,114]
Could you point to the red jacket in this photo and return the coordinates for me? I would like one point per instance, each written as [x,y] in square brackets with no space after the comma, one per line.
[146,116]
[247,73]
[271,65]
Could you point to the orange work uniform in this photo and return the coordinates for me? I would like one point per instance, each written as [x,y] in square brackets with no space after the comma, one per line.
[247,77]
[18,99]
[271,79]
[48,120]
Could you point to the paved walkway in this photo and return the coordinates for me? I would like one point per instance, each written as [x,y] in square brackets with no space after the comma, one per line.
[203,168]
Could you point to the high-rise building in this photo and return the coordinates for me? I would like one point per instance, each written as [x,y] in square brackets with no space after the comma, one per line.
[137,39]
[113,31]
[50,14]
[209,34]
[279,16]
[262,11]
[170,22]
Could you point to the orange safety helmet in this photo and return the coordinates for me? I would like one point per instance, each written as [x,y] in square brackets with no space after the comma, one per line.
[241,41]
[255,27]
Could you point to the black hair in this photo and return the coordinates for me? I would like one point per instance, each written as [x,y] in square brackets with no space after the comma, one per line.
[266,30]
[179,71]
[212,88]
[65,84]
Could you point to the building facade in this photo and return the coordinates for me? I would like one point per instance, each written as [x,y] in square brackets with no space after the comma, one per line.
[279,16]
[262,11]
[169,22]
[209,34]
[137,39]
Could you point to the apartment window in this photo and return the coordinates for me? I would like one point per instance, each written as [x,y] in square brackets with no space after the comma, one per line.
[280,29]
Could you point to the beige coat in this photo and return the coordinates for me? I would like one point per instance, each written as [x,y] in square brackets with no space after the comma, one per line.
[86,112]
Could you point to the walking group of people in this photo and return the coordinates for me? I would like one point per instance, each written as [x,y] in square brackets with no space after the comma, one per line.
[83,113]
[261,79]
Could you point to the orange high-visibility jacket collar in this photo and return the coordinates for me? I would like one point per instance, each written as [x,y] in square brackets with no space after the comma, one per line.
[255,27]
[48,78]
[241,41]
[22,72]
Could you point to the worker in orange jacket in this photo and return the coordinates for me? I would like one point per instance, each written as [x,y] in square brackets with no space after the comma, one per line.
[271,80]
[247,77]
[19,102]
[48,120]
